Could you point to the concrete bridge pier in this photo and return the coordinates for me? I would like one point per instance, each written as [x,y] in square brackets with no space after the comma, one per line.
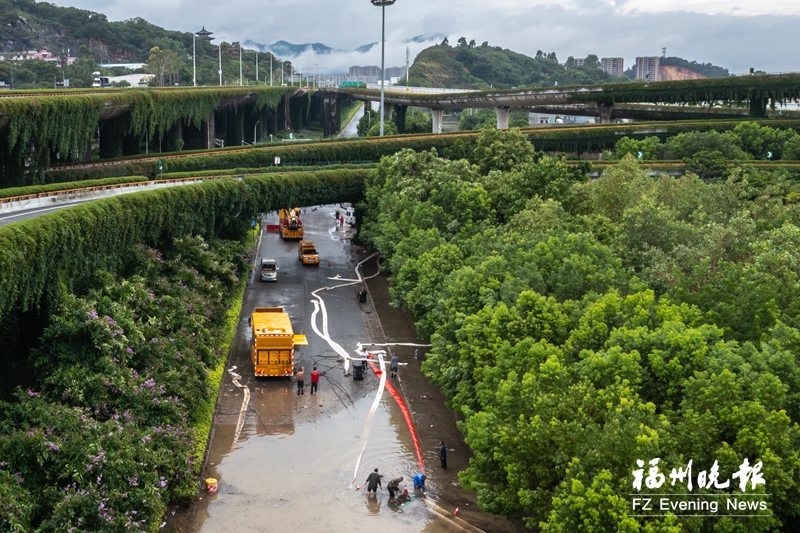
[503,113]
[330,116]
[605,110]
[401,111]
[758,107]
[209,132]
[287,114]
[436,116]
[387,113]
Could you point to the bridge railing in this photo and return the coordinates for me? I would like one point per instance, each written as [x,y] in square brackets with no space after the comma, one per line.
[418,90]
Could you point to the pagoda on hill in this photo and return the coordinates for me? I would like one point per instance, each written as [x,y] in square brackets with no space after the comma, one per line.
[205,34]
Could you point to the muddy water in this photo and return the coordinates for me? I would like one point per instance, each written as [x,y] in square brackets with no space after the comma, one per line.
[292,465]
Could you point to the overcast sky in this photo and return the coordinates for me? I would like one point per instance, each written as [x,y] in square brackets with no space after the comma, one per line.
[733,34]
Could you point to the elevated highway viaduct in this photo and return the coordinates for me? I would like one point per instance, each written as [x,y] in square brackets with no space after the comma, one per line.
[39,129]
[720,97]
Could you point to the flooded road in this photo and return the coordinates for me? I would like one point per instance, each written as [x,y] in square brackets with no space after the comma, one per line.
[294,460]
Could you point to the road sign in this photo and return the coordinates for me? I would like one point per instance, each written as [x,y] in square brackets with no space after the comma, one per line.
[769,156]
[252,223]
[277,160]
[640,155]
[160,165]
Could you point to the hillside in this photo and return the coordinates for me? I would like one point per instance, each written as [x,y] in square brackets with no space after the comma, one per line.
[705,70]
[92,39]
[30,25]
[468,66]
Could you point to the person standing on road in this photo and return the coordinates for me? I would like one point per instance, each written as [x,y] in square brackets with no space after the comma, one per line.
[394,486]
[337,217]
[443,454]
[373,482]
[314,380]
[299,377]
[341,221]
[395,361]
[364,360]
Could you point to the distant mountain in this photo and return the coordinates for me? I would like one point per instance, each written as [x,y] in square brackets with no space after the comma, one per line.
[472,66]
[286,49]
[366,48]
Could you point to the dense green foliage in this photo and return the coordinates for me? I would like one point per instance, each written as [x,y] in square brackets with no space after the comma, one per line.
[579,326]
[468,66]
[748,140]
[103,441]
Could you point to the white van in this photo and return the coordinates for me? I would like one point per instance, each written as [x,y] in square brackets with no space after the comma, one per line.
[269,269]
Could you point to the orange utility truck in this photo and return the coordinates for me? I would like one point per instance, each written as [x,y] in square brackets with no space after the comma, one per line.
[291,225]
[273,342]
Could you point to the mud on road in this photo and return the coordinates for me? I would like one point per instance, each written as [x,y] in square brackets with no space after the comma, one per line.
[292,463]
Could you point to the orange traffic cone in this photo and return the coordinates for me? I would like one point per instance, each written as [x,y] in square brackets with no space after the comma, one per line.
[456,511]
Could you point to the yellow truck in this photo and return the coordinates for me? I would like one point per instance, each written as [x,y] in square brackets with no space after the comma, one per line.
[273,342]
[308,253]
[291,226]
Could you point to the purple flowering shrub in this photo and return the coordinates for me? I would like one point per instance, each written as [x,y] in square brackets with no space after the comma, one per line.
[104,441]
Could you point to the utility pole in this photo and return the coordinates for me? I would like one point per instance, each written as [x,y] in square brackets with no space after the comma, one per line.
[408,55]
[241,53]
[194,62]
[256,66]
[270,70]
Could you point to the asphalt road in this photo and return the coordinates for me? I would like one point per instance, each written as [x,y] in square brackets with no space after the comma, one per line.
[33,213]
[291,466]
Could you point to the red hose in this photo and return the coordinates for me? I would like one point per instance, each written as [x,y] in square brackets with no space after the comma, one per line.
[406,414]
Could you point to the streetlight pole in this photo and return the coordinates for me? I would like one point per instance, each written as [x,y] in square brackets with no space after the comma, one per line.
[270,70]
[254,132]
[220,60]
[383,4]
[194,62]
[256,66]
[241,53]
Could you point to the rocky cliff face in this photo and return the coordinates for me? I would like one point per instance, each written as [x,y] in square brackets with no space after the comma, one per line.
[671,72]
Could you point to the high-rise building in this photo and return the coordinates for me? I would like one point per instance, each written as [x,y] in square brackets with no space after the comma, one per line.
[648,68]
[613,65]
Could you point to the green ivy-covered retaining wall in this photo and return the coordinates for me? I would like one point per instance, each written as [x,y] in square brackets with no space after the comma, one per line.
[39,257]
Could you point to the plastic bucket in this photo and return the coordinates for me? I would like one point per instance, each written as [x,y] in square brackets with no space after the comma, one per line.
[211,484]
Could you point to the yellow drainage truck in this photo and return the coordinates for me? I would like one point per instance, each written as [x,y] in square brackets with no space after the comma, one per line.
[291,225]
[272,348]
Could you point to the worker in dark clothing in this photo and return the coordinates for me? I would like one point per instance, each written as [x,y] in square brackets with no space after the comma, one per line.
[394,486]
[394,364]
[443,454]
[373,482]
[299,377]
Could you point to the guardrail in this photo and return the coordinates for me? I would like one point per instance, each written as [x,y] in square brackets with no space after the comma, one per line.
[14,204]
[417,90]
